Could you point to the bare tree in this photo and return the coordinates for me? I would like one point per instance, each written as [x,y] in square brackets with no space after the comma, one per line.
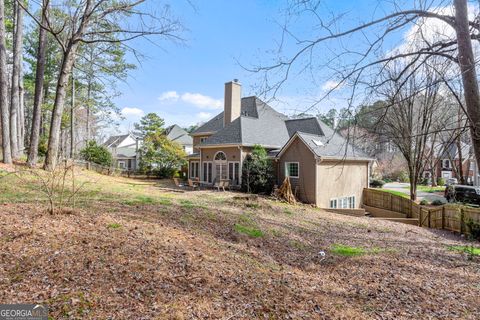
[16,68]
[413,106]
[7,156]
[97,21]
[38,96]
[363,48]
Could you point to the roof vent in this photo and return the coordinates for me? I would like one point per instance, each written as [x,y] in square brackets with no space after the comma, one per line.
[318,143]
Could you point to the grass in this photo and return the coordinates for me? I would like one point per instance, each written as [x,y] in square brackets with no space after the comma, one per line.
[397,193]
[249,231]
[429,189]
[114,225]
[471,250]
[348,251]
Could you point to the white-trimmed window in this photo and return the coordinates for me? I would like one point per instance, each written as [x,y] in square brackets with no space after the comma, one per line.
[203,139]
[472,165]
[292,169]
[234,172]
[121,164]
[207,171]
[446,163]
[343,203]
[194,169]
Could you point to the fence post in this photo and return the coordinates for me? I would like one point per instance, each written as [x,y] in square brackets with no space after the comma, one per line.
[429,218]
[461,220]
[420,217]
[443,217]
[391,202]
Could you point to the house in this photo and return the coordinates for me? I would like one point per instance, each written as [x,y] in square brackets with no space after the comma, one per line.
[177,134]
[323,168]
[448,159]
[124,148]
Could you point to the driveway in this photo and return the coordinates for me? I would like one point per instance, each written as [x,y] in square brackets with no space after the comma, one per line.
[404,188]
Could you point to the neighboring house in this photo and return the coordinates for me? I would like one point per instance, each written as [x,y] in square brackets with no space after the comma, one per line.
[447,162]
[177,134]
[124,149]
[323,168]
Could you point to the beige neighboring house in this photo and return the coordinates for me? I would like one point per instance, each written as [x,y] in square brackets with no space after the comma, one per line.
[323,168]
[124,149]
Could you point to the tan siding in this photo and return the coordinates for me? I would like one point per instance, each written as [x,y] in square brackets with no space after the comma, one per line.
[233,153]
[196,141]
[305,184]
[341,179]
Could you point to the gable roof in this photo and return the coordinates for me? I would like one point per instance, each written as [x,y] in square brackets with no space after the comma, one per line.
[178,134]
[114,141]
[329,145]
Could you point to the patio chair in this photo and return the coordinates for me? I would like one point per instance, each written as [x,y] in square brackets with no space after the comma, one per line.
[178,184]
[193,184]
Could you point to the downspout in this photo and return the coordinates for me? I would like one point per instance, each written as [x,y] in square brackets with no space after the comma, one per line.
[241,166]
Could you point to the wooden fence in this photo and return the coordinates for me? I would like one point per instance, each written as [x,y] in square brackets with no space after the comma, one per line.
[385,200]
[111,171]
[452,217]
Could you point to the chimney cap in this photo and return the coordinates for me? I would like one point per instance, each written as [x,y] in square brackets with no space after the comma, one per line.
[235,80]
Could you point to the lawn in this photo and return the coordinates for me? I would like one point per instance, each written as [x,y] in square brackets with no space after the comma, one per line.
[429,189]
[137,249]
[397,193]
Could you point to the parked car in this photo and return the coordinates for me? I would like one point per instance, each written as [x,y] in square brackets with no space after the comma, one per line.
[462,193]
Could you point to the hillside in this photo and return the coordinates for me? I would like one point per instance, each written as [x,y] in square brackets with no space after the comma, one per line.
[134,249]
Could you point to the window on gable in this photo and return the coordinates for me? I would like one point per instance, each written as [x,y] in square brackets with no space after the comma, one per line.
[291,169]
[203,139]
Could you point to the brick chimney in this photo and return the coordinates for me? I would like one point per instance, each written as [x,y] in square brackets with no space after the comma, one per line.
[233,101]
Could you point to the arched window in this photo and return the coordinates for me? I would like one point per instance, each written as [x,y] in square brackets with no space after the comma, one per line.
[220,156]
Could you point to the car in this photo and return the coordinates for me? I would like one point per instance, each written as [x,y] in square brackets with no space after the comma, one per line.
[462,193]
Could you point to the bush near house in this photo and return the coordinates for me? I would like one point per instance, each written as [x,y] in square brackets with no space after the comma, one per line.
[160,156]
[97,154]
[376,183]
[257,172]
[441,181]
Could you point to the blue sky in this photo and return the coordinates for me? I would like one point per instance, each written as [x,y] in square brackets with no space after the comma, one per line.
[184,83]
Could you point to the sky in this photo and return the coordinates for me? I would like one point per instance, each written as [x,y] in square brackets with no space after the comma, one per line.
[184,82]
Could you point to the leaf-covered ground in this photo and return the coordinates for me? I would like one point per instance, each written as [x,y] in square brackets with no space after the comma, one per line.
[136,250]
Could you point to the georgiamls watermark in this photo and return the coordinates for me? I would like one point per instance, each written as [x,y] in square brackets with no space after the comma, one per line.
[23,312]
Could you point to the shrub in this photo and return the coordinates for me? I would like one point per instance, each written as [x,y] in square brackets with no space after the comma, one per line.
[441,181]
[424,202]
[473,228]
[403,177]
[437,202]
[257,172]
[376,183]
[96,154]
[424,181]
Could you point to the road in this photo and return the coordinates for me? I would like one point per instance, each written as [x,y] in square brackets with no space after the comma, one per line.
[404,187]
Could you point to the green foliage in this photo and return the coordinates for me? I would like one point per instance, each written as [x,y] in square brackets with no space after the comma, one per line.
[424,202]
[251,232]
[376,183]
[42,146]
[474,229]
[441,181]
[161,156]
[257,172]
[348,251]
[114,226]
[150,125]
[437,202]
[470,250]
[96,154]
[403,177]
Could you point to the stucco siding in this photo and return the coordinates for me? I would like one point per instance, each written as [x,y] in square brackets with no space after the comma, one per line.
[304,185]
[336,179]
[232,153]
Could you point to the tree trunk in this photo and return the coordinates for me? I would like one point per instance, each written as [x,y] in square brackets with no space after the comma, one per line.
[72,121]
[38,97]
[21,106]
[58,106]
[469,75]
[4,113]
[89,92]
[14,97]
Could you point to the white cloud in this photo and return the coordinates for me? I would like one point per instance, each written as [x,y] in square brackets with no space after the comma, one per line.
[203,116]
[201,101]
[169,95]
[330,85]
[132,112]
